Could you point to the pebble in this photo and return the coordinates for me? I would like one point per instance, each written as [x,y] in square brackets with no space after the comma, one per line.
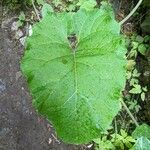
[19,34]
[49,141]
[4,131]
[22,40]
[14,26]
[18,75]
[2,86]
[89,146]
[30,30]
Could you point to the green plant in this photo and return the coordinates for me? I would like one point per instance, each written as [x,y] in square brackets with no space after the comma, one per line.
[72,5]
[40,2]
[71,63]
[21,20]
[71,66]
[139,45]
[87,4]
[115,141]
[46,9]
[134,106]
[104,144]
[137,89]
[140,136]
[122,140]
[68,5]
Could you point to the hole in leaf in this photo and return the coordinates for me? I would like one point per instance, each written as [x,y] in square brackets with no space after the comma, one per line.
[73,41]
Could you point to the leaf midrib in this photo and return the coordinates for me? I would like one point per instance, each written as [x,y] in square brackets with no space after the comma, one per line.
[75,76]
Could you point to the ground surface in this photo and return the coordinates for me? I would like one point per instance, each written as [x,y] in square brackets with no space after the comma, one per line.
[20,127]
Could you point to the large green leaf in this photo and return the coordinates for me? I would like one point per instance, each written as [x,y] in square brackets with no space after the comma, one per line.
[142,143]
[76,84]
[142,130]
[142,134]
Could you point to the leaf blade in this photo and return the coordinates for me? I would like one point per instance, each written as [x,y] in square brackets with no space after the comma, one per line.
[75,89]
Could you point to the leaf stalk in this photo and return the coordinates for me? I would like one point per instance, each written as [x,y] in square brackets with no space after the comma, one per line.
[131,13]
[129,112]
[36,11]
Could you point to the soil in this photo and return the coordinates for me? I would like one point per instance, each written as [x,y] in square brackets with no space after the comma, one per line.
[20,126]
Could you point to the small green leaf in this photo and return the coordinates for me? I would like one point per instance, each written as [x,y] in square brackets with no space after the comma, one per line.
[146,24]
[133,53]
[123,133]
[135,45]
[143,96]
[135,73]
[19,23]
[40,2]
[22,16]
[147,39]
[142,49]
[130,65]
[130,139]
[46,9]
[87,4]
[104,144]
[136,89]
[144,89]
[121,145]
[128,75]
[139,39]
[97,141]
[134,81]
